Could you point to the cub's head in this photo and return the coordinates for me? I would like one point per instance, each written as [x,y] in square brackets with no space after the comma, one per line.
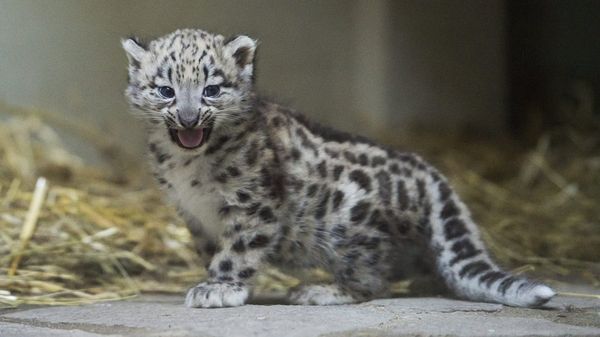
[191,81]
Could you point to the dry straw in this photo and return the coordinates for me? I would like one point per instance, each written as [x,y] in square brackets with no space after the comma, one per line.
[85,234]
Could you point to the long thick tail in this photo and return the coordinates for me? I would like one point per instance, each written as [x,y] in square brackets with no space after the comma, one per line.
[463,261]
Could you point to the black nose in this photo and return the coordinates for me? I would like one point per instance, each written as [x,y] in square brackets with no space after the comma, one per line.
[188,121]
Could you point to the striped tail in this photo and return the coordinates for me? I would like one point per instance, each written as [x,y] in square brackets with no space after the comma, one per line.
[463,261]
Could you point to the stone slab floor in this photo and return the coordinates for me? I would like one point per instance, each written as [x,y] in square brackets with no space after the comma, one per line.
[161,315]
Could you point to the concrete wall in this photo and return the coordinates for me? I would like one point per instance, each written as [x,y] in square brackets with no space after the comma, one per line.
[448,65]
[359,65]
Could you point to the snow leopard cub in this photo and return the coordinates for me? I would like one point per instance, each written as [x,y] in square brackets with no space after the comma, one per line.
[258,183]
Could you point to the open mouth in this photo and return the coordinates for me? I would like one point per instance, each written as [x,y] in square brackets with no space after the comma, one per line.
[189,138]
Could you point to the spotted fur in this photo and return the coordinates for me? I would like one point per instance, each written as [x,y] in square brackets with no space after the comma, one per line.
[268,186]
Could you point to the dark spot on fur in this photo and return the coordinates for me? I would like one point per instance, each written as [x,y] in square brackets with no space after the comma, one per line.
[377,160]
[225,266]
[363,159]
[224,210]
[242,196]
[490,277]
[322,206]
[474,268]
[266,214]
[449,210]
[362,179]
[238,246]
[408,158]
[403,226]
[312,190]
[252,154]
[337,171]
[274,180]
[402,195]
[421,190]
[276,121]
[350,157]
[506,283]
[454,228]
[445,191]
[221,178]
[385,184]
[338,196]
[246,273]
[252,209]
[296,154]
[259,241]
[463,249]
[322,169]
[333,154]
[377,220]
[360,211]
[233,171]
[162,157]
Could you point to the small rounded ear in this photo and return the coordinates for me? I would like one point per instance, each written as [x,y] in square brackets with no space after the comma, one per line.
[135,51]
[241,49]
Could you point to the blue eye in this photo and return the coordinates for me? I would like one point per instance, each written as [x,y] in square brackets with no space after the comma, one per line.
[166,92]
[211,90]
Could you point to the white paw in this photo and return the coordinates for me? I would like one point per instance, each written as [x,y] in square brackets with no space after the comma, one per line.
[216,295]
[320,295]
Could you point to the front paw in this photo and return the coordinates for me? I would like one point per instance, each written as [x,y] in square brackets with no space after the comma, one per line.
[216,295]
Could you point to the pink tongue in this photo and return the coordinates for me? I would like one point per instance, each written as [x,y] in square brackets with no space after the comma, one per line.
[190,138]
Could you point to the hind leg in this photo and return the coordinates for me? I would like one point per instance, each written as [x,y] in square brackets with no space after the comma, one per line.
[362,280]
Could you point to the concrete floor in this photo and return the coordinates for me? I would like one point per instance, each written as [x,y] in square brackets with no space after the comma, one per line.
[160,315]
